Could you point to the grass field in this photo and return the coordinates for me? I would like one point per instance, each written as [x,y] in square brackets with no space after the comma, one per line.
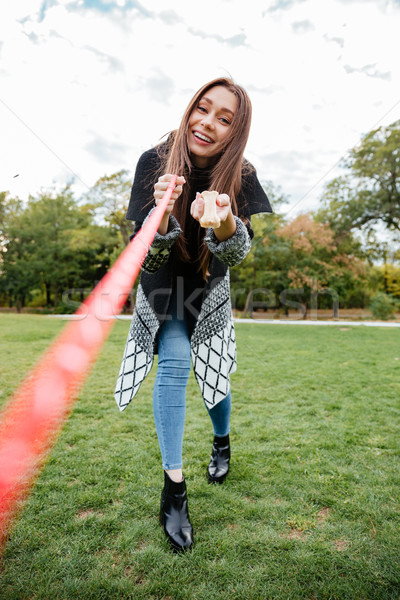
[311,507]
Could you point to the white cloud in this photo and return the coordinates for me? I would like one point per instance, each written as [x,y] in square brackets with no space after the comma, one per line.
[85,88]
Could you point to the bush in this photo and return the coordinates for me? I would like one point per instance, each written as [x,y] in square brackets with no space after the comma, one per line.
[383,306]
[38,298]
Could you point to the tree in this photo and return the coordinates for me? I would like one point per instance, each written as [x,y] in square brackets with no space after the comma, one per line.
[297,264]
[370,193]
[3,204]
[110,196]
[376,163]
[17,277]
[257,278]
[385,278]
[51,243]
[316,266]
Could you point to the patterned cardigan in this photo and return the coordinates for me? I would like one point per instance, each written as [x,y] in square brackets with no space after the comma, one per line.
[213,346]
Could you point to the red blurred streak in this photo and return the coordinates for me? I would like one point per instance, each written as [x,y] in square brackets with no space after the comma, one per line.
[39,407]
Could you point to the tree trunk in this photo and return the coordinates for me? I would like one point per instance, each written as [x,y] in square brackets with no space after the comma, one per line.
[56,289]
[48,298]
[247,312]
[125,232]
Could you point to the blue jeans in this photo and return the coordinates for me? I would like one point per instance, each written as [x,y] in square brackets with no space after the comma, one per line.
[169,395]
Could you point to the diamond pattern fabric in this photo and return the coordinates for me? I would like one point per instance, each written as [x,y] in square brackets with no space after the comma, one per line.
[139,351]
[213,361]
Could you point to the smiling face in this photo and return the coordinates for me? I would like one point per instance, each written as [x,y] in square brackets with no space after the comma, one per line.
[210,124]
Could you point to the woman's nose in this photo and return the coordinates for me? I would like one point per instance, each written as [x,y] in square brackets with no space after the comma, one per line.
[207,121]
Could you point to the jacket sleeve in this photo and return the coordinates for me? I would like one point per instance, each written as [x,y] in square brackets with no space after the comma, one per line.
[233,250]
[160,249]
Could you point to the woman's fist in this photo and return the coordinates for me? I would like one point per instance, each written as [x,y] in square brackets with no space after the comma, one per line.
[161,186]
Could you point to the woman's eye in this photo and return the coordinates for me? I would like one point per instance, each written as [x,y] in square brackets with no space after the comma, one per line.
[225,121]
[202,109]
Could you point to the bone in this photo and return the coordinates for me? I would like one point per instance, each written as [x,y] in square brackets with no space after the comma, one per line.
[210,217]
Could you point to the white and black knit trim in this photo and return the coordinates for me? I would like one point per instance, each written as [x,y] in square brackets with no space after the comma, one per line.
[233,250]
[213,345]
[139,351]
[215,311]
[161,247]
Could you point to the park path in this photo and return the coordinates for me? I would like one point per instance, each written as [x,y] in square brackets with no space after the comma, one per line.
[284,321]
[302,322]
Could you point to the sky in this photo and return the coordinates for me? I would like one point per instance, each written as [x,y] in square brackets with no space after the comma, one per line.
[86,86]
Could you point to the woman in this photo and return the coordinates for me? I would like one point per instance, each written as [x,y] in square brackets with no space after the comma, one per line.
[183,308]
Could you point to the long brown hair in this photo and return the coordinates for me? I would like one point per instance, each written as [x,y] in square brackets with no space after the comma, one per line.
[226,175]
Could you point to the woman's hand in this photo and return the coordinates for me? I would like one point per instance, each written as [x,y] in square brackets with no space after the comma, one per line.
[223,207]
[224,212]
[161,187]
[159,190]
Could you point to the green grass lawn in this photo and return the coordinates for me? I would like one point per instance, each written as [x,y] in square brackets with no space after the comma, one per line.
[311,507]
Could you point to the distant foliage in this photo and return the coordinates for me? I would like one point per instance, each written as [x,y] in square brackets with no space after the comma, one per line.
[300,264]
[51,247]
[383,306]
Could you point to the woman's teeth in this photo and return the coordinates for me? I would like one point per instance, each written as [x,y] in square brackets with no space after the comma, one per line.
[203,137]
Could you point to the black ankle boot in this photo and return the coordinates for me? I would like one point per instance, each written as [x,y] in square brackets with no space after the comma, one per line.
[174,514]
[219,465]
